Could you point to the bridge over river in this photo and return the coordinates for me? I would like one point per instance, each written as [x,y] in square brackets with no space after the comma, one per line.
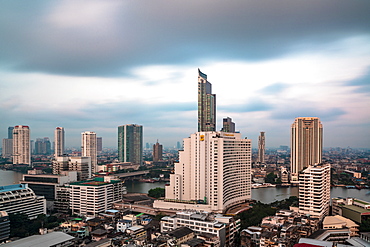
[132,174]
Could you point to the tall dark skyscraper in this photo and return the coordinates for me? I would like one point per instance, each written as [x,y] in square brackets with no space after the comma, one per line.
[228,125]
[130,143]
[206,104]
[10,132]
[261,148]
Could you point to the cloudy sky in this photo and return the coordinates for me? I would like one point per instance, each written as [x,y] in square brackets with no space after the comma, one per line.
[95,65]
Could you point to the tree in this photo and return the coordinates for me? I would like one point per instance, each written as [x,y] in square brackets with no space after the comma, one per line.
[156,193]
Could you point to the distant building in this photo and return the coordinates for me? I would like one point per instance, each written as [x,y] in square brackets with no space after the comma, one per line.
[82,165]
[213,173]
[306,144]
[130,143]
[59,142]
[314,190]
[228,125]
[43,146]
[19,198]
[7,148]
[10,132]
[106,191]
[261,148]
[21,145]
[206,104]
[89,149]
[99,144]
[157,152]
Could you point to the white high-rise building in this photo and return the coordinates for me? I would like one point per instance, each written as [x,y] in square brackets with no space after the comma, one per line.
[306,144]
[213,173]
[89,148]
[314,190]
[21,145]
[59,141]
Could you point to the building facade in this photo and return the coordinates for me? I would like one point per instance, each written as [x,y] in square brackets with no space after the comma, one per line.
[157,152]
[261,148]
[43,146]
[21,145]
[213,172]
[82,165]
[91,197]
[130,143]
[59,141]
[314,190]
[19,198]
[228,125]
[99,144]
[206,104]
[7,148]
[306,144]
[89,149]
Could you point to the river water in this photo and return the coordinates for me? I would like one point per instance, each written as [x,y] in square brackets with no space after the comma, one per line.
[265,195]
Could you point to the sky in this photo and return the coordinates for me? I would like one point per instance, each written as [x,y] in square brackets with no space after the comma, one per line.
[95,65]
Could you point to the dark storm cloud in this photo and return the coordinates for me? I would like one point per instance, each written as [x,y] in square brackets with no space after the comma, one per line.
[171,32]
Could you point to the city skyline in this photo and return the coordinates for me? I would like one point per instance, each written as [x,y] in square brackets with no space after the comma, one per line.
[97,65]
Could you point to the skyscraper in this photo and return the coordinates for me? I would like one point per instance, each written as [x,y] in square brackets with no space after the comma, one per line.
[59,141]
[88,149]
[214,172]
[261,148]
[10,132]
[43,146]
[314,190]
[228,125]
[306,144]
[206,104]
[99,144]
[157,152]
[21,145]
[7,148]
[130,143]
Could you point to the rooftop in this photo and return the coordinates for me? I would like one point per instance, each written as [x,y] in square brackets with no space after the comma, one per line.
[13,187]
[49,239]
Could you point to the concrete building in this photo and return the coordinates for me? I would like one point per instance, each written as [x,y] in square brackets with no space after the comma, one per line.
[130,143]
[314,190]
[213,173]
[306,144]
[91,197]
[89,149]
[59,142]
[21,145]
[339,222]
[82,165]
[351,208]
[7,151]
[261,148]
[228,125]
[43,146]
[4,226]
[46,185]
[99,144]
[19,198]
[206,104]
[157,152]
[224,227]
[53,239]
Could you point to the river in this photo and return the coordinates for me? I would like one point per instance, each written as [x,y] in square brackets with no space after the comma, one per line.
[265,195]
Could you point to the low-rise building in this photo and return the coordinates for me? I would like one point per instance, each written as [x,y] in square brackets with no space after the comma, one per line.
[4,226]
[224,227]
[95,196]
[351,208]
